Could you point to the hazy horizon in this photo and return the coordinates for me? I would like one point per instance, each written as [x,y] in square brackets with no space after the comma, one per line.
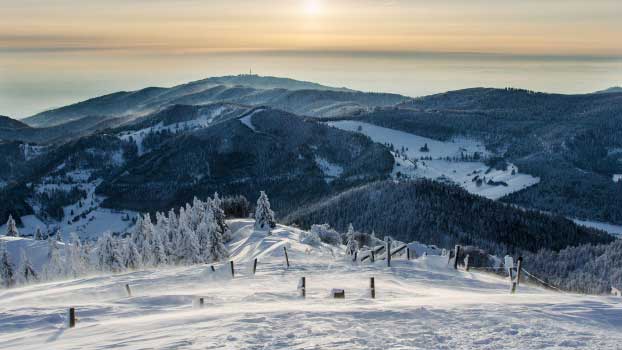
[64,51]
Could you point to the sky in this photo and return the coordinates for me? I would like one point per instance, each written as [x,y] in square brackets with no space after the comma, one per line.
[60,51]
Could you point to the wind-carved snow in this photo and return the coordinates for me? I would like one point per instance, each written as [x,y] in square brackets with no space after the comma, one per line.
[455,161]
[331,170]
[246,120]
[420,304]
[203,121]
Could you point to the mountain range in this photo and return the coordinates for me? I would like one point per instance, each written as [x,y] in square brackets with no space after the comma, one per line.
[154,149]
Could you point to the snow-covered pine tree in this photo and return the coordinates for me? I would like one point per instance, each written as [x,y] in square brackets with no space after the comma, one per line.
[216,249]
[109,257]
[25,273]
[7,272]
[158,252]
[131,256]
[264,216]
[54,266]
[11,228]
[351,244]
[142,236]
[38,234]
[220,217]
[172,231]
[76,264]
[58,235]
[188,251]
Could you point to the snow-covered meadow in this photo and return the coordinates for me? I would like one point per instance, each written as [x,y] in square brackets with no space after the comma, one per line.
[418,156]
[420,304]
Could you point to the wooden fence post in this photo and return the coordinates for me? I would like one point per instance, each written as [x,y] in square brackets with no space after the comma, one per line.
[516,279]
[128,290]
[407,253]
[213,269]
[286,257]
[72,317]
[232,269]
[456,257]
[373,256]
[372,287]
[201,302]
[388,249]
[303,287]
[255,266]
[466,262]
[355,256]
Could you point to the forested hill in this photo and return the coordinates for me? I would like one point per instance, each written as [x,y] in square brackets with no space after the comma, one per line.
[573,143]
[445,215]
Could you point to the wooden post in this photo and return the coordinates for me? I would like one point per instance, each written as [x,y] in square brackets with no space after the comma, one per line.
[373,256]
[407,253]
[128,290]
[201,302]
[372,287]
[303,287]
[213,269]
[516,279]
[388,249]
[72,317]
[286,257]
[232,269]
[255,266]
[466,262]
[355,256]
[457,250]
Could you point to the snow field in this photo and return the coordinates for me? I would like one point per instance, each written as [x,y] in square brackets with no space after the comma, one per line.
[420,304]
[462,173]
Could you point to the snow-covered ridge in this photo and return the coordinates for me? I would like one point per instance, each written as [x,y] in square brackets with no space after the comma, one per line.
[456,161]
[420,304]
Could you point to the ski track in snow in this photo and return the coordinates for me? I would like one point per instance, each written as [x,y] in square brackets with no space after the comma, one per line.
[420,304]
[459,172]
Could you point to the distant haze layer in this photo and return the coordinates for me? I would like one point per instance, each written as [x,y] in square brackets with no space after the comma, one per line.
[33,82]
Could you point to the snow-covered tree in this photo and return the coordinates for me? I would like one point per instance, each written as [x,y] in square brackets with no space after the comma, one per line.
[11,228]
[158,252]
[142,236]
[109,257]
[264,216]
[77,262]
[25,272]
[211,239]
[131,257]
[7,272]
[188,251]
[351,243]
[172,230]
[220,217]
[38,234]
[54,266]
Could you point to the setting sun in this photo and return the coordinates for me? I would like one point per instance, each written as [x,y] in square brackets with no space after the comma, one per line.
[312,7]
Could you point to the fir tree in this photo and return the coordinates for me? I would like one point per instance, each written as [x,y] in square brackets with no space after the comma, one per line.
[38,234]
[264,216]
[351,244]
[188,251]
[220,217]
[54,266]
[7,272]
[11,228]
[26,273]
[76,261]
[131,257]
[109,258]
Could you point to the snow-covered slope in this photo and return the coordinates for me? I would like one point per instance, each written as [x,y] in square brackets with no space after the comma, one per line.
[453,162]
[420,304]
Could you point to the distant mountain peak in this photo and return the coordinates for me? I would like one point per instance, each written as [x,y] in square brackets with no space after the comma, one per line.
[611,90]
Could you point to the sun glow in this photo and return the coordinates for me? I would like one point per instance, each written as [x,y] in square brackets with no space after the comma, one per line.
[312,7]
